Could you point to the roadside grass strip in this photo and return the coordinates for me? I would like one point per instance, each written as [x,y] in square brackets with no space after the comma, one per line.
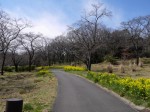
[136,90]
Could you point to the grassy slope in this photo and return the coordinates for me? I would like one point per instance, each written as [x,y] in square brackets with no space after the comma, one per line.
[38,93]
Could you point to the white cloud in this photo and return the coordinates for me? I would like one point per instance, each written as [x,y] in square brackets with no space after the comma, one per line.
[52,24]
[48,24]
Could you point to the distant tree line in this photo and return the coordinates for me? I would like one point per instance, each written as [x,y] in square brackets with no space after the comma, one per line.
[88,41]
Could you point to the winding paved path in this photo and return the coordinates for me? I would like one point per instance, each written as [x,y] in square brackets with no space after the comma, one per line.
[79,95]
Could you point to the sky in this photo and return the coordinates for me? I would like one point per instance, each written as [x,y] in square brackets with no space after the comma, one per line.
[52,17]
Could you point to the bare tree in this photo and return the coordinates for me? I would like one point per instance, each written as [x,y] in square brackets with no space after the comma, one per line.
[136,30]
[30,45]
[16,55]
[59,48]
[115,41]
[147,26]
[9,31]
[87,34]
[42,55]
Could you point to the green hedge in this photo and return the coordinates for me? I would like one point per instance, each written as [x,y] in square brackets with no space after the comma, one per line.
[9,68]
[20,68]
[25,68]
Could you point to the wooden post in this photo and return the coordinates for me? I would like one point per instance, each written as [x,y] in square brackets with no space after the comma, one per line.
[14,105]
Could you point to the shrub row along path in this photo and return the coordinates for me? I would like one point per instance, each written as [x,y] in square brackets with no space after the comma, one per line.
[76,94]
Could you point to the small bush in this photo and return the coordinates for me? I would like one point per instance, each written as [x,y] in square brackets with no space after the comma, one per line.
[130,64]
[9,68]
[140,64]
[46,67]
[43,73]
[122,69]
[28,107]
[42,68]
[33,67]
[110,68]
[25,68]
[39,68]
[21,69]
[133,68]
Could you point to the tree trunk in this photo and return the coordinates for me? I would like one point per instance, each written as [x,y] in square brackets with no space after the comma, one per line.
[30,63]
[137,58]
[16,68]
[89,63]
[49,62]
[3,64]
[88,66]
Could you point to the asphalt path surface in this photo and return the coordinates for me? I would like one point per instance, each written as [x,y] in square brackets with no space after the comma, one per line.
[76,94]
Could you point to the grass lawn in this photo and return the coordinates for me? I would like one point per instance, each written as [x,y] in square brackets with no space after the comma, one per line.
[37,92]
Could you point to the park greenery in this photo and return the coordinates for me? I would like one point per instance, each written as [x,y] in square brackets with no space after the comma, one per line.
[122,57]
[88,41]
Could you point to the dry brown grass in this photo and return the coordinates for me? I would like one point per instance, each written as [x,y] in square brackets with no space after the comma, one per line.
[38,92]
[129,69]
[110,68]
